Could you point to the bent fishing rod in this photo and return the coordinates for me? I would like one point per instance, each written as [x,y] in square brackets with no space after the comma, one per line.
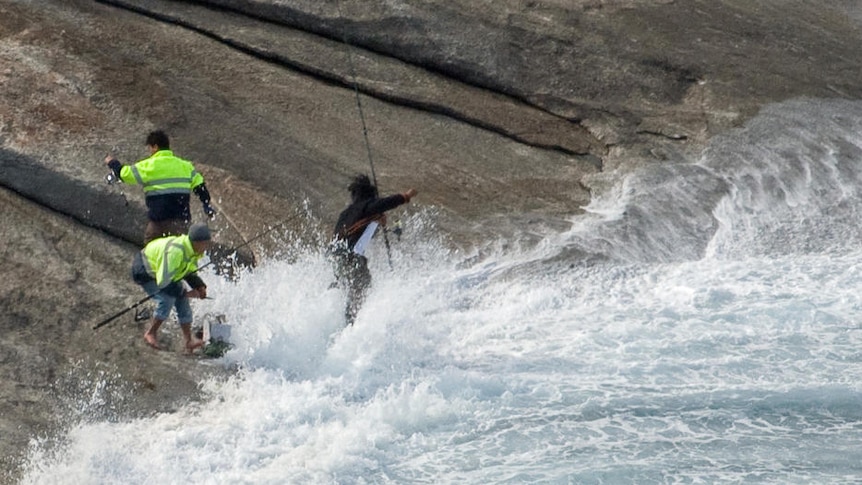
[211,261]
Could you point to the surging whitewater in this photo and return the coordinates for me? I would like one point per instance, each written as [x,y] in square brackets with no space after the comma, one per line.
[699,324]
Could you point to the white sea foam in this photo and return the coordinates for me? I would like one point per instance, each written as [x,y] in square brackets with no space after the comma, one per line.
[740,365]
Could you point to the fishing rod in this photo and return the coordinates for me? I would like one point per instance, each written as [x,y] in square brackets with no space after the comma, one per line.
[149,297]
[364,127]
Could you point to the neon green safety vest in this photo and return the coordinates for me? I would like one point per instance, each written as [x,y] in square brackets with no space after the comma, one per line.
[170,259]
[162,173]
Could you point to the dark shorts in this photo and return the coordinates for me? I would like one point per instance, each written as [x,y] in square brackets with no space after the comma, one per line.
[167,227]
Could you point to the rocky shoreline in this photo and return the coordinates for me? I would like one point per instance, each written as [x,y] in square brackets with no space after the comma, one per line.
[510,113]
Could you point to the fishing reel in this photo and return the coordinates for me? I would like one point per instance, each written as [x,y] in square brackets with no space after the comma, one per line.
[397,229]
[142,314]
[111,178]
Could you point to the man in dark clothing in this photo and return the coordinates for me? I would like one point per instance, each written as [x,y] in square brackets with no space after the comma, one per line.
[355,227]
[168,182]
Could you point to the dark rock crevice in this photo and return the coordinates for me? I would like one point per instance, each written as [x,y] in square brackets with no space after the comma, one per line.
[354,66]
[70,197]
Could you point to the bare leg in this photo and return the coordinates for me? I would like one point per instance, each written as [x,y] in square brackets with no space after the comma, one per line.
[191,342]
[152,334]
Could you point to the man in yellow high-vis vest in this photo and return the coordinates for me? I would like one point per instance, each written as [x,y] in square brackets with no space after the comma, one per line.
[168,182]
[161,268]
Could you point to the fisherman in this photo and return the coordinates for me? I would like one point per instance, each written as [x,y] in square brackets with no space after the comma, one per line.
[167,181]
[355,227]
[161,267]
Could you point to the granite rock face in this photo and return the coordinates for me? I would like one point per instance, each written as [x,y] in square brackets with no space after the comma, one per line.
[496,111]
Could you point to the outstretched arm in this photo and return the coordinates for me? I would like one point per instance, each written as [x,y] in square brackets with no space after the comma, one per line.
[380,206]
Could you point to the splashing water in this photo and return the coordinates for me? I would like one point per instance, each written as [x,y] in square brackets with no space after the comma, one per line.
[716,340]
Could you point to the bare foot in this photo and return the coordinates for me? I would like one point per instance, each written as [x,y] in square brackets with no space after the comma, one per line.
[193,344]
[151,341]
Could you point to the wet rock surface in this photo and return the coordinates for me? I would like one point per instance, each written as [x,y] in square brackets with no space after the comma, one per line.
[500,113]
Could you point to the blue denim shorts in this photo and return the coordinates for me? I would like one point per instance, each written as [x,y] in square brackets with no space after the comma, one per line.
[164,303]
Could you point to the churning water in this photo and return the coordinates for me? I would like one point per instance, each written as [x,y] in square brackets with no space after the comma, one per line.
[715,335]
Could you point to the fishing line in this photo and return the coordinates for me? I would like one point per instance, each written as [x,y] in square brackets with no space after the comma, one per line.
[230,223]
[364,126]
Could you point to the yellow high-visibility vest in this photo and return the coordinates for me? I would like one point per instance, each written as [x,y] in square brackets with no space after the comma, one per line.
[170,259]
[162,173]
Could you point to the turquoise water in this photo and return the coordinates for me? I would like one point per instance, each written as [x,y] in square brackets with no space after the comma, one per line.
[714,338]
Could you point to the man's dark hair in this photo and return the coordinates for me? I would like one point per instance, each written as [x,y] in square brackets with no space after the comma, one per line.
[361,188]
[159,139]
